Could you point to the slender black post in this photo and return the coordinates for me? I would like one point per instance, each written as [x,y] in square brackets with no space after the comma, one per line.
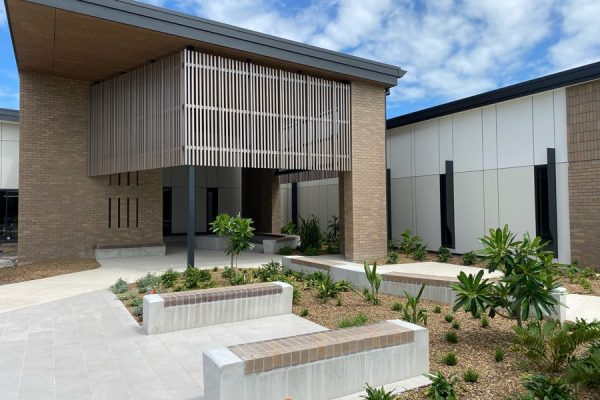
[191,223]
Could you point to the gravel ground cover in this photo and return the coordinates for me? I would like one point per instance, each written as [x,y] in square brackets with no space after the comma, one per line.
[45,269]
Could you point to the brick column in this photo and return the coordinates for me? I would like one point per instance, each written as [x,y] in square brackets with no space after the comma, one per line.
[583,127]
[261,199]
[363,190]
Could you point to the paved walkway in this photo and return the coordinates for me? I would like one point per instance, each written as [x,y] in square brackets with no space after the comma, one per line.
[583,306]
[24,294]
[89,346]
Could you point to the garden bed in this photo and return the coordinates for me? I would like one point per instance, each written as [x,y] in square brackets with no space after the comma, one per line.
[45,270]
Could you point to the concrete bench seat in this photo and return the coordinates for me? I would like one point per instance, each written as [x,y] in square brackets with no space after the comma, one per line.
[193,309]
[317,366]
[308,264]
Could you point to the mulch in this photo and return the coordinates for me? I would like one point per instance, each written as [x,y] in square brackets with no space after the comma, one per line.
[45,269]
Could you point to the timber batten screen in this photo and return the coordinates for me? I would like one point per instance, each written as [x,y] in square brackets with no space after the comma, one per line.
[199,109]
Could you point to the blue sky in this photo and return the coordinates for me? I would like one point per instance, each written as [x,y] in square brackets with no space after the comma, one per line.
[450,48]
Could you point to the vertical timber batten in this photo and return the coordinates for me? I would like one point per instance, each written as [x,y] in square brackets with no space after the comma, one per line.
[193,108]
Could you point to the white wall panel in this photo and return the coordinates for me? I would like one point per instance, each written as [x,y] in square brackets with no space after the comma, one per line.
[402,206]
[428,210]
[517,199]
[426,141]
[562,210]
[467,138]
[490,146]
[490,196]
[515,133]
[401,152]
[9,131]
[10,164]
[560,124]
[445,147]
[543,126]
[469,213]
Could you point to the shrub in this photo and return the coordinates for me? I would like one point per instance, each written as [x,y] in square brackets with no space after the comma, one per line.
[411,311]
[437,309]
[304,312]
[449,317]
[194,278]
[469,258]
[328,289]
[409,242]
[485,322]
[269,272]
[169,278]
[586,370]
[397,306]
[393,257]
[286,251]
[551,345]
[310,234]
[311,251]
[357,320]
[455,325]
[333,235]
[372,393]
[127,296]
[470,376]
[147,282]
[374,280]
[451,337]
[420,252]
[242,278]
[239,231]
[289,229]
[541,387]
[499,354]
[444,254]
[120,286]
[137,305]
[584,283]
[441,388]
[450,358]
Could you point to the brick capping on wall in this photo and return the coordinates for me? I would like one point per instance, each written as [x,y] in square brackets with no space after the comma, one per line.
[583,141]
[315,263]
[220,294]
[285,352]
[128,246]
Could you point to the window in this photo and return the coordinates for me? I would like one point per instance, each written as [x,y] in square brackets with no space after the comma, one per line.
[9,213]
[545,202]
[447,205]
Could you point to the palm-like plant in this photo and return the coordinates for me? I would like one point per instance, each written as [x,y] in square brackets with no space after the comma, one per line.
[372,393]
[472,293]
[411,311]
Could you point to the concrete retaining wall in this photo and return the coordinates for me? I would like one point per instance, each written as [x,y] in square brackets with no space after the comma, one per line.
[160,316]
[126,252]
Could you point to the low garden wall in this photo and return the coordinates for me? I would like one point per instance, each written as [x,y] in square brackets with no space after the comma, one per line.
[104,252]
[193,309]
[317,366]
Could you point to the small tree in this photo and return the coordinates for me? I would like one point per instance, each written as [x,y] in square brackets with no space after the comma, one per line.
[239,231]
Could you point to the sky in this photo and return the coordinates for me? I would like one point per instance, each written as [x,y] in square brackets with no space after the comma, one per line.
[450,49]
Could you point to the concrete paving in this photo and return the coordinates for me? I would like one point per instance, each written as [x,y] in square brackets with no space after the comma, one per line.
[583,306]
[88,346]
[24,294]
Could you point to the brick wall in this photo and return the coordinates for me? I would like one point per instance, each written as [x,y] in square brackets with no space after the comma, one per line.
[363,190]
[583,125]
[261,199]
[62,211]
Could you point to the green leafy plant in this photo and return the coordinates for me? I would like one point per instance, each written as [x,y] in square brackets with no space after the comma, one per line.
[397,306]
[393,257]
[448,317]
[239,231]
[455,325]
[450,358]
[269,272]
[420,252]
[470,376]
[412,312]
[526,286]
[285,251]
[485,322]
[372,393]
[147,282]
[409,242]
[585,370]
[469,258]
[304,312]
[127,295]
[374,281]
[311,251]
[437,309]
[328,289]
[550,345]
[289,229]
[120,286]
[310,234]
[333,235]
[499,354]
[443,254]
[584,283]
[168,278]
[357,320]
[451,337]
[540,387]
[137,306]
[194,278]
[242,278]
[441,388]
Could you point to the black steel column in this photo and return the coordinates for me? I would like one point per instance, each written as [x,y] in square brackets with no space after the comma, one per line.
[191,223]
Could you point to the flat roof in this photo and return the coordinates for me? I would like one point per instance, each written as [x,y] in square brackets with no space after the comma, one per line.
[569,77]
[58,35]
[6,114]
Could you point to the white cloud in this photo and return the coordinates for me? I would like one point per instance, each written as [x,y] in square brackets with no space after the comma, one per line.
[580,42]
